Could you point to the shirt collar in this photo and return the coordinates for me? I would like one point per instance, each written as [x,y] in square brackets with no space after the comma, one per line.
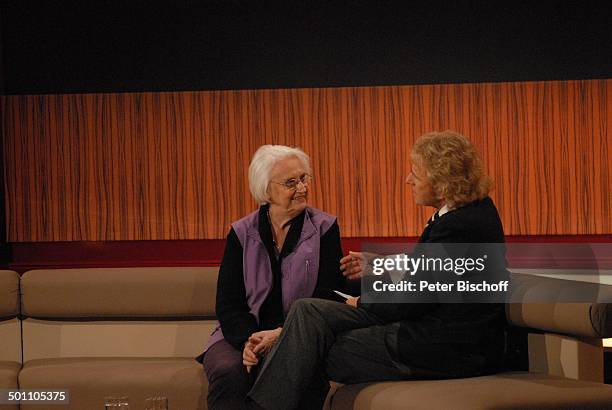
[293,236]
[443,210]
[440,212]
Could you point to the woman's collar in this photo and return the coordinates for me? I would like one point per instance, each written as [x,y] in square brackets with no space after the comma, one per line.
[443,210]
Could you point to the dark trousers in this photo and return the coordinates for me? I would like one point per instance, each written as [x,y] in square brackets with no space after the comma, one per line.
[228,381]
[324,340]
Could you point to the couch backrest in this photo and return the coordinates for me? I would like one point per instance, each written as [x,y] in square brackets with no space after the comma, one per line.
[588,319]
[118,312]
[568,340]
[10,329]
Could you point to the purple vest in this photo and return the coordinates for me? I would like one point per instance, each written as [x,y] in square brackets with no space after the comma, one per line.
[299,269]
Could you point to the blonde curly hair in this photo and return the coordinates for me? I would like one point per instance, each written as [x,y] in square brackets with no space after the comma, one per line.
[453,167]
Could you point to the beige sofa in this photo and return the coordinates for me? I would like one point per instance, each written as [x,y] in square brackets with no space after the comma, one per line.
[566,359]
[565,372]
[135,331]
[117,332]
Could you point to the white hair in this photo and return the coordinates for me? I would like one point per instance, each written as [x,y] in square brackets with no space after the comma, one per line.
[262,163]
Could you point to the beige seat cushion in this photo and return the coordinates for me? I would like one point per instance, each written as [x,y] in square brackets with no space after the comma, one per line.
[10,340]
[503,391]
[89,380]
[8,374]
[56,339]
[8,379]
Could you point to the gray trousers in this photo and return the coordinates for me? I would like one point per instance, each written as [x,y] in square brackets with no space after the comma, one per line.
[323,340]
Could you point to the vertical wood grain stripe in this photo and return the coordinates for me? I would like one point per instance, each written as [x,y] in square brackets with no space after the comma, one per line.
[173,165]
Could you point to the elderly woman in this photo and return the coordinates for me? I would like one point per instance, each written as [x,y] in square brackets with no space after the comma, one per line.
[282,252]
[360,342]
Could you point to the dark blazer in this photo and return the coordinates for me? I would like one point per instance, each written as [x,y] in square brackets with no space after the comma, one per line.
[441,340]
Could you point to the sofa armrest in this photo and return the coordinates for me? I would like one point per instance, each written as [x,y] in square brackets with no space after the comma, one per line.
[568,320]
[569,307]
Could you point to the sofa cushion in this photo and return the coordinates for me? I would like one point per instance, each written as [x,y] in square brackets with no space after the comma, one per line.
[8,380]
[503,391]
[9,294]
[119,293]
[10,340]
[8,374]
[47,339]
[10,326]
[90,380]
[537,309]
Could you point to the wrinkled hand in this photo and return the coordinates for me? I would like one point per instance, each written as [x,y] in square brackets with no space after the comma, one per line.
[259,344]
[249,358]
[352,301]
[264,340]
[356,264]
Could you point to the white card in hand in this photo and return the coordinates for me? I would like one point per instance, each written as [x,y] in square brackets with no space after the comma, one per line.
[344,295]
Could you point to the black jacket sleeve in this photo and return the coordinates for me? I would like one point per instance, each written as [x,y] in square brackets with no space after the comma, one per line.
[395,312]
[232,309]
[330,277]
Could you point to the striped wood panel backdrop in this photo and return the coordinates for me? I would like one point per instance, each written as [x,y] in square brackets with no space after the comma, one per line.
[173,165]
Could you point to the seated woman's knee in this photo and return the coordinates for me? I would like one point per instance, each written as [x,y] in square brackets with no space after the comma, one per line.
[302,304]
[224,367]
[306,305]
[233,371]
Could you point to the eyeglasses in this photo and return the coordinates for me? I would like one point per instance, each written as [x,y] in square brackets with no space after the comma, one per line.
[293,183]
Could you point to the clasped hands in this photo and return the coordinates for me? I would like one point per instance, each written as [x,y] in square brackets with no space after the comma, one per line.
[258,345]
[353,266]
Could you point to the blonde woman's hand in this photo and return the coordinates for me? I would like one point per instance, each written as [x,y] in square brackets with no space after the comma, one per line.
[357,264]
[352,301]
